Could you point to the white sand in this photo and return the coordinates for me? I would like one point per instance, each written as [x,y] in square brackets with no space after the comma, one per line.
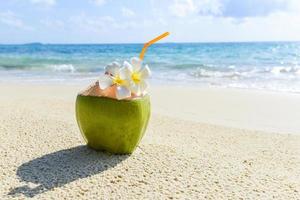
[43,155]
[256,110]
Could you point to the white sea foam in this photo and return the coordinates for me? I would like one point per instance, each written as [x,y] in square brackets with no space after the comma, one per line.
[285,72]
[63,68]
[281,70]
[216,74]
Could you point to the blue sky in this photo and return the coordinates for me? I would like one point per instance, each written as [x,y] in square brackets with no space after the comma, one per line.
[119,21]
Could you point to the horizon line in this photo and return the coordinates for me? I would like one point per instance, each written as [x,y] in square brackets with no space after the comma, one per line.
[128,43]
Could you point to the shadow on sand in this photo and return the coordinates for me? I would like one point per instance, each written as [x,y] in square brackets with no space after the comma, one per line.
[62,167]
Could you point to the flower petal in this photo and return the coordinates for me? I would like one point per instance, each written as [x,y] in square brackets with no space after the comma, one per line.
[127,65]
[122,92]
[135,88]
[145,72]
[143,86]
[125,73]
[105,81]
[136,63]
[112,68]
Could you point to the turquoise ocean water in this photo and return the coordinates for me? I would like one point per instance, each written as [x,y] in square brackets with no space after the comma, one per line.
[269,65]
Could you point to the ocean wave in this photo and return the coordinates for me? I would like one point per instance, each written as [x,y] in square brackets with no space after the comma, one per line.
[67,68]
[185,66]
[62,68]
[233,72]
[204,73]
[12,66]
[282,70]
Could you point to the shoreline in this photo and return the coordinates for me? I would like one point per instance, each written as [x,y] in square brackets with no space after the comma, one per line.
[154,83]
[261,110]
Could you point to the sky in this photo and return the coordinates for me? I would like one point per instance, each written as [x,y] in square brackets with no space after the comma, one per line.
[137,21]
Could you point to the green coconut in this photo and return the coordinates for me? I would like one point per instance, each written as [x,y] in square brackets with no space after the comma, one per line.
[112,125]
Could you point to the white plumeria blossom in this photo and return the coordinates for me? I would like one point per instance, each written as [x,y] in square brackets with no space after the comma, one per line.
[138,75]
[131,78]
[114,75]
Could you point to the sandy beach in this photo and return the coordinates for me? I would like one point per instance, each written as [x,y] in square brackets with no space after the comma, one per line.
[201,143]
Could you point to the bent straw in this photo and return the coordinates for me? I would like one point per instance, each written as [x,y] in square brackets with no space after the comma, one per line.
[146,45]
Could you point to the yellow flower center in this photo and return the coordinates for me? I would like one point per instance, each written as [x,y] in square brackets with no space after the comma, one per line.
[117,80]
[136,77]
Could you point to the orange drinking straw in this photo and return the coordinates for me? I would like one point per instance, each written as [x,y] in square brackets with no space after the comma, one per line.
[146,45]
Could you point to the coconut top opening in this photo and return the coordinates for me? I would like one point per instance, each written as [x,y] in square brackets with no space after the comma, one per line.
[96,91]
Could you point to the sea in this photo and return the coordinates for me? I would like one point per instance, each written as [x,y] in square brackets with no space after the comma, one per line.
[271,66]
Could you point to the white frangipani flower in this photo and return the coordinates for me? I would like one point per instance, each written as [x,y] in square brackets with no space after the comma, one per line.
[137,74]
[112,68]
[131,78]
[114,75]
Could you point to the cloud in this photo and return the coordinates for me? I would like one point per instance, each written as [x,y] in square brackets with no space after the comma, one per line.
[95,24]
[98,2]
[252,8]
[194,21]
[92,24]
[231,8]
[47,3]
[85,23]
[126,12]
[50,23]
[183,8]
[277,26]
[11,19]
